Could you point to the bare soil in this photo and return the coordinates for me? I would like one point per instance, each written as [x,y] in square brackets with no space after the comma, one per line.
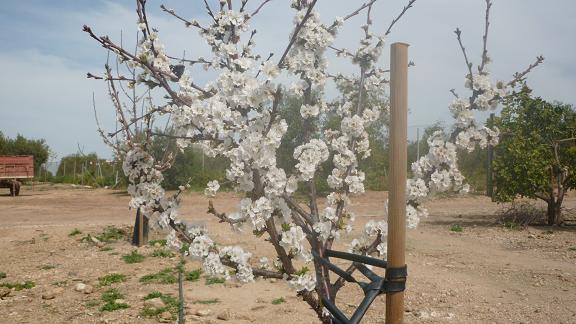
[485,274]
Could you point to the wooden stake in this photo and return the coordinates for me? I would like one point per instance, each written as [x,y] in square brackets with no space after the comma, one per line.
[398,166]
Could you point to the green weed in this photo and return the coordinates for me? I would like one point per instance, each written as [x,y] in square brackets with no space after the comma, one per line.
[107,280]
[165,276]
[133,257]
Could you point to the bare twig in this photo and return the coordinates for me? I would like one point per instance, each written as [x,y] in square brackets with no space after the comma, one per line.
[357,11]
[485,37]
[395,20]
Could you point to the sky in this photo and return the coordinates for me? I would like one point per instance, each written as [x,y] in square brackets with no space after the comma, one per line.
[44,55]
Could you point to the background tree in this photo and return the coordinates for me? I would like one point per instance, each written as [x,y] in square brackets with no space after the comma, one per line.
[536,157]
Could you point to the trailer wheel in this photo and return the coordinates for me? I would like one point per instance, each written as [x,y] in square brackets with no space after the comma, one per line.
[15,188]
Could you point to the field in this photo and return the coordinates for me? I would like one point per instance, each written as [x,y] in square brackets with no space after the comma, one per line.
[464,267]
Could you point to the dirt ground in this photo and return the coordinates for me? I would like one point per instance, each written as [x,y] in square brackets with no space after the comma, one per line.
[485,274]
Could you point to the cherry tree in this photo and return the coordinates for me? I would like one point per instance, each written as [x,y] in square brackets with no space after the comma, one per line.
[235,116]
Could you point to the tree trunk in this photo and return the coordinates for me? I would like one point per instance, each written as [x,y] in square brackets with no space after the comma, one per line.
[554,212]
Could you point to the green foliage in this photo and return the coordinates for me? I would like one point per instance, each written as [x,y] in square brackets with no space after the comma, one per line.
[159,242]
[165,276]
[278,301]
[23,146]
[162,254]
[193,275]
[189,164]
[75,232]
[18,285]
[133,257]
[170,302]
[456,228]
[88,169]
[536,151]
[107,280]
[111,233]
[109,297]
[2,275]
[215,280]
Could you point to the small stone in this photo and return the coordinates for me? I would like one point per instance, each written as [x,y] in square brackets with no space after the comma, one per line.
[120,301]
[80,287]
[166,315]
[4,292]
[157,245]
[225,316]
[203,312]
[273,280]
[88,289]
[52,293]
[154,303]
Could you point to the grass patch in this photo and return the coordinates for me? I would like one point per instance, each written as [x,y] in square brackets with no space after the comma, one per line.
[75,232]
[165,276]
[170,301]
[2,275]
[214,280]
[107,280]
[111,233]
[47,267]
[456,228]
[106,249]
[278,301]
[162,254]
[133,257]
[193,275]
[109,297]
[18,285]
[572,248]
[207,301]
[159,242]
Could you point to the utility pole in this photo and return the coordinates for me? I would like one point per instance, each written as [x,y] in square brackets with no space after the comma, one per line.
[398,173]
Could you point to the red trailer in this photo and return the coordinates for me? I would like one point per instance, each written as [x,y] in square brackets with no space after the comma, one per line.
[13,168]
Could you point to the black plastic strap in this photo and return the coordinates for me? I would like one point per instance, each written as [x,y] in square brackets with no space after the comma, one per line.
[357,258]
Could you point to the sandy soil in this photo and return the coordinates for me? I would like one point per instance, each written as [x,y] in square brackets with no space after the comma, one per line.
[485,274]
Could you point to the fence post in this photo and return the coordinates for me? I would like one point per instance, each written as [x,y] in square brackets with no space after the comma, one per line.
[398,173]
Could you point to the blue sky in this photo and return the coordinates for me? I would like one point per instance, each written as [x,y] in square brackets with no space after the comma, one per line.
[44,55]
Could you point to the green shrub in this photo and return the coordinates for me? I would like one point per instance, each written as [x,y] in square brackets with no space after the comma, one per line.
[107,280]
[214,280]
[456,228]
[278,301]
[133,257]
[193,275]
[19,285]
[165,276]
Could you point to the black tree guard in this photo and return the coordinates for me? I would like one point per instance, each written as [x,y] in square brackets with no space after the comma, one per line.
[394,281]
